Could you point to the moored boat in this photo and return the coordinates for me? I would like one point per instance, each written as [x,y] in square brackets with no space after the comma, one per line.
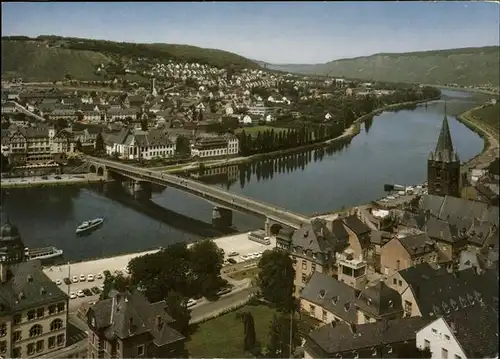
[42,253]
[89,225]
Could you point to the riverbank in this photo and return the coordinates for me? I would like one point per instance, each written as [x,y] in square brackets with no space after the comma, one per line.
[51,181]
[490,137]
[348,134]
[467,89]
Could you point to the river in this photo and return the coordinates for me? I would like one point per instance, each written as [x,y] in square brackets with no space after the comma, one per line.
[391,148]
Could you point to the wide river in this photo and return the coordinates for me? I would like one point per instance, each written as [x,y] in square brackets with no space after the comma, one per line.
[392,148]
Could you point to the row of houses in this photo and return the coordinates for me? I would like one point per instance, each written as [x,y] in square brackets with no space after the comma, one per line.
[384,287]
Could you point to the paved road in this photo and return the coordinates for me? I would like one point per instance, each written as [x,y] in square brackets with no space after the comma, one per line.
[51,179]
[202,190]
[212,308]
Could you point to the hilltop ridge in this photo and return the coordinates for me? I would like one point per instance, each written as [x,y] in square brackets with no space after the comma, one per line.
[462,66]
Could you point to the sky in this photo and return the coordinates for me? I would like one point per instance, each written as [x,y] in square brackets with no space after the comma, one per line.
[275,32]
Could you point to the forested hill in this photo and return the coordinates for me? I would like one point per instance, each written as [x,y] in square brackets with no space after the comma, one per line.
[48,58]
[465,67]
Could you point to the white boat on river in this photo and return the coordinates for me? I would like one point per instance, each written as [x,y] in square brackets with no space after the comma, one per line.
[89,225]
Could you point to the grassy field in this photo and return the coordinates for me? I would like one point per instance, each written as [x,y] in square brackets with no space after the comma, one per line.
[468,66]
[222,337]
[256,129]
[245,273]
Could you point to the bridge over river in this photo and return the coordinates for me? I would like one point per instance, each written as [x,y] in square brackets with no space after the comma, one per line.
[224,202]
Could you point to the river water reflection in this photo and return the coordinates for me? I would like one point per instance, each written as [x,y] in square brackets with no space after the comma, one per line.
[391,148]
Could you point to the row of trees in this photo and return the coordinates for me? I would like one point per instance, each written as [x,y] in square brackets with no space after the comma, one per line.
[271,140]
[175,273]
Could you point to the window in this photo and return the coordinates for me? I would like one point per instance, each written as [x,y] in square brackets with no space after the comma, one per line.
[447,337]
[444,353]
[367,318]
[3,346]
[36,330]
[56,324]
[17,319]
[3,329]
[394,281]
[313,267]
[408,306]
[389,349]
[324,315]
[304,277]
[311,308]
[427,344]
[52,342]
[60,307]
[458,357]
[434,331]
[117,346]
[60,339]
[400,283]
[31,348]
[140,350]
[39,346]
[304,264]
[52,309]
[31,315]
[40,312]
[16,336]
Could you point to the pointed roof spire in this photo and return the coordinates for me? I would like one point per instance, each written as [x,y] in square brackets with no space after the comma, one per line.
[444,143]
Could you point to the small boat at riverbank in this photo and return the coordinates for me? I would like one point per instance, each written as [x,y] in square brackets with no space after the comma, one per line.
[89,225]
[42,253]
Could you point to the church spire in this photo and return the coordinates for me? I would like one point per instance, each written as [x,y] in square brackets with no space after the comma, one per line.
[444,144]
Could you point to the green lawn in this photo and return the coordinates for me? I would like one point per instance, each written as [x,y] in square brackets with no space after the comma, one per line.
[222,337]
[256,129]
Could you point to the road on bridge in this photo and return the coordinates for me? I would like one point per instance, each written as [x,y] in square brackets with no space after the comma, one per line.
[202,190]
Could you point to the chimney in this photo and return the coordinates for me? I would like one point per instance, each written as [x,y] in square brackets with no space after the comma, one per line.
[159,323]
[3,273]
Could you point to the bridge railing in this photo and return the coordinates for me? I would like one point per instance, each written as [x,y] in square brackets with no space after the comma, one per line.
[201,185]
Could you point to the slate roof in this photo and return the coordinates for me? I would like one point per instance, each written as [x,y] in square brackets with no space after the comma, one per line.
[332,295]
[422,271]
[315,237]
[476,329]
[379,300]
[417,245]
[130,314]
[341,337]
[27,287]
[441,294]
[448,207]
[444,148]
[356,225]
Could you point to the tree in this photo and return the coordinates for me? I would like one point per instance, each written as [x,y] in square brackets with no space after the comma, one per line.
[99,144]
[117,282]
[177,309]
[249,339]
[182,145]
[144,124]
[61,123]
[78,146]
[206,260]
[276,278]
[279,337]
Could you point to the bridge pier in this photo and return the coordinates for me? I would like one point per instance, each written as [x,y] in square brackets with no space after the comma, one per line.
[222,217]
[139,189]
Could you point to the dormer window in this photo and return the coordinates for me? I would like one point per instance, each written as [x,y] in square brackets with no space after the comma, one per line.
[347,306]
[446,308]
[391,304]
[335,299]
[454,304]
[355,354]
[369,301]
[389,349]
[374,352]
[470,298]
[322,293]
[338,355]
[478,296]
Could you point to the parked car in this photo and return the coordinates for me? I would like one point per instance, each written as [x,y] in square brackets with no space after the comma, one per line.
[72,295]
[90,278]
[58,282]
[87,292]
[99,276]
[83,278]
[191,302]
[233,254]
[95,290]
[232,261]
[224,291]
[80,293]
[67,281]
[58,177]
[45,177]
[75,279]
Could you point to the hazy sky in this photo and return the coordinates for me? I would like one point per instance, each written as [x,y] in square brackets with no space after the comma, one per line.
[277,32]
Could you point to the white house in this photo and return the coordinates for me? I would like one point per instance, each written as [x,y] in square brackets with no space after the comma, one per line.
[247,120]
[136,145]
[269,118]
[215,146]
[465,333]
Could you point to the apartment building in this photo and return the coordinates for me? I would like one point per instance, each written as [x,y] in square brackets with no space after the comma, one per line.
[215,146]
[33,312]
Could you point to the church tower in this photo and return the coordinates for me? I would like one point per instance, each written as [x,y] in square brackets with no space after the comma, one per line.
[443,165]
